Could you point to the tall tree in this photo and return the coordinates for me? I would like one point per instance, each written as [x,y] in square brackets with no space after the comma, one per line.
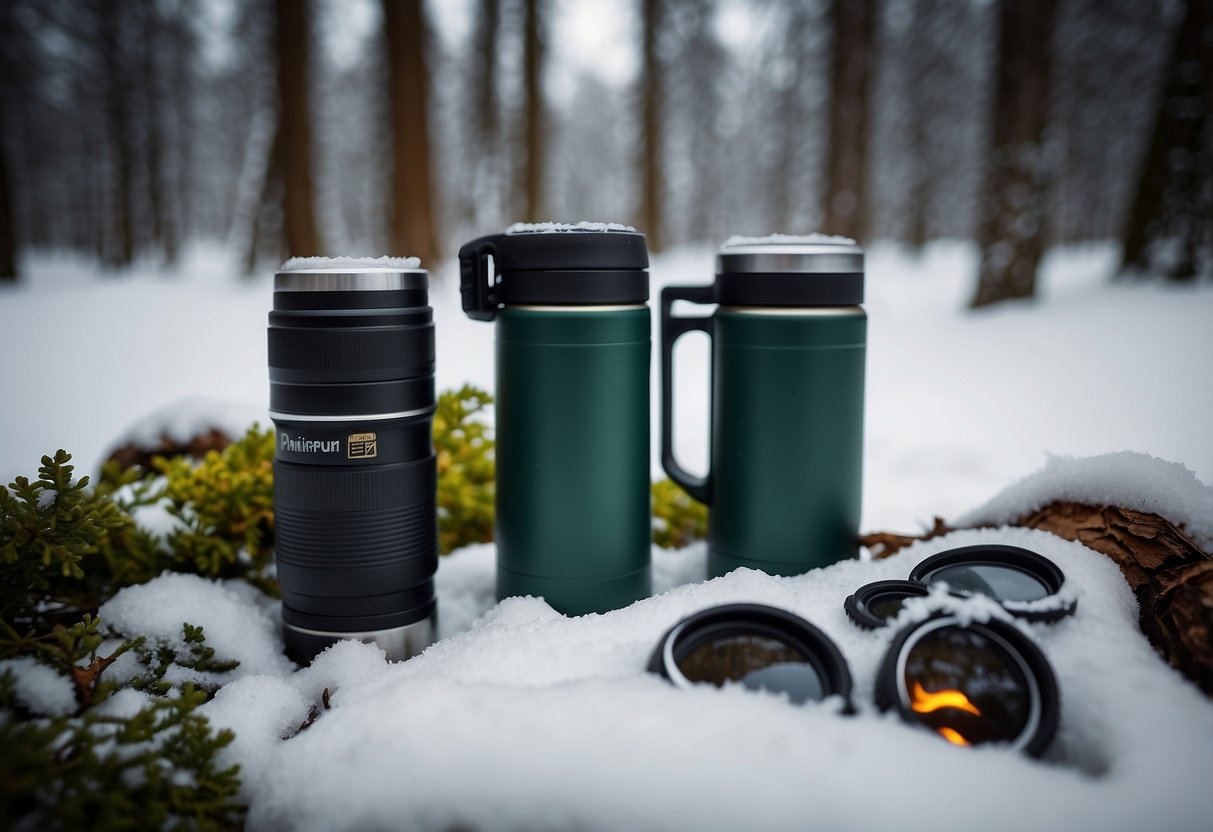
[486,200]
[412,199]
[844,201]
[1172,207]
[294,140]
[651,97]
[8,234]
[534,115]
[113,38]
[10,70]
[1014,215]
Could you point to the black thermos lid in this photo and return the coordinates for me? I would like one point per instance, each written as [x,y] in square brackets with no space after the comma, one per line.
[779,270]
[587,264]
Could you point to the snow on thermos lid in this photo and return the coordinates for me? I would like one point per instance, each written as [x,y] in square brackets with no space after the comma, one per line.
[785,270]
[558,264]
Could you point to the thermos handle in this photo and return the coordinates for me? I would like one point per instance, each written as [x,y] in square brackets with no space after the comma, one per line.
[477,284]
[671,330]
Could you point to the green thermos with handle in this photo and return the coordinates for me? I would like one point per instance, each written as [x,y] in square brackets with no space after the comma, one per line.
[786,451]
[572,409]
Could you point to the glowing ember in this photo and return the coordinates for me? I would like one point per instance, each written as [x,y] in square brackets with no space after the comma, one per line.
[926,703]
[953,736]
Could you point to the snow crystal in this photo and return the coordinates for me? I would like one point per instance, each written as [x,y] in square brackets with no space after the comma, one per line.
[789,239]
[233,626]
[1127,479]
[303,264]
[565,227]
[47,498]
[40,689]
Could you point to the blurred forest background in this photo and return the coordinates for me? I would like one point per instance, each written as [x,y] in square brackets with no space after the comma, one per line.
[129,128]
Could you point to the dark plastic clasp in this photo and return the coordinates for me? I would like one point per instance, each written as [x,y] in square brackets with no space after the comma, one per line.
[479,277]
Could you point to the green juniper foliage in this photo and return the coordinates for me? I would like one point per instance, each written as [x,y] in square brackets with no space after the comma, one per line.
[467,468]
[65,548]
[678,518]
[225,510]
[155,769]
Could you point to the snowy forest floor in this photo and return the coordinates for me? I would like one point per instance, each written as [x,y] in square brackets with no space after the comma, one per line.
[521,718]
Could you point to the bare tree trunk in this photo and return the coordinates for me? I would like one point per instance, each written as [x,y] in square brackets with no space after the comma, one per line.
[844,201]
[488,182]
[651,95]
[151,120]
[1014,210]
[181,45]
[294,142]
[8,234]
[533,145]
[118,118]
[412,209]
[1172,203]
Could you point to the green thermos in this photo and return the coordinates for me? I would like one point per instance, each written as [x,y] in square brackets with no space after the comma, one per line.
[786,451]
[572,407]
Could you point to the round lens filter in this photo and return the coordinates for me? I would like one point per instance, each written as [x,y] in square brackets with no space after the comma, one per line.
[876,604]
[761,647]
[972,683]
[1013,576]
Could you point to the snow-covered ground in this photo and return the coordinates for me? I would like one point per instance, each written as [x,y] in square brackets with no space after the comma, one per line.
[959,403]
[520,718]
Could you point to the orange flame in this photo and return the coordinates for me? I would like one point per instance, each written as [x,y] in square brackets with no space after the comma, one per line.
[925,703]
[953,736]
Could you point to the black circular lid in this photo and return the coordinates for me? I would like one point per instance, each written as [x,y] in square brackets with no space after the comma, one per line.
[554,264]
[1015,577]
[876,604]
[758,646]
[786,271]
[972,682]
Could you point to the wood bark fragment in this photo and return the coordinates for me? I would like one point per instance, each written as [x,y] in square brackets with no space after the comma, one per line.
[1170,574]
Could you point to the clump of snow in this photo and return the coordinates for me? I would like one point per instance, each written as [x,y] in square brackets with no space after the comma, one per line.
[123,703]
[235,626]
[789,239]
[535,720]
[304,264]
[1126,479]
[39,688]
[565,227]
[47,498]
[261,711]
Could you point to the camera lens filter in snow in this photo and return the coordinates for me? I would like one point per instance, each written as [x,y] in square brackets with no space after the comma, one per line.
[1015,577]
[876,604]
[760,647]
[971,682]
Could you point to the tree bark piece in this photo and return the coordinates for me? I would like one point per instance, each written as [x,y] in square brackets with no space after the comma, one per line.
[1171,576]
[1177,617]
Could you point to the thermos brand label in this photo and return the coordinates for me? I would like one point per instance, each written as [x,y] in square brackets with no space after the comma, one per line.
[303,445]
[362,446]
